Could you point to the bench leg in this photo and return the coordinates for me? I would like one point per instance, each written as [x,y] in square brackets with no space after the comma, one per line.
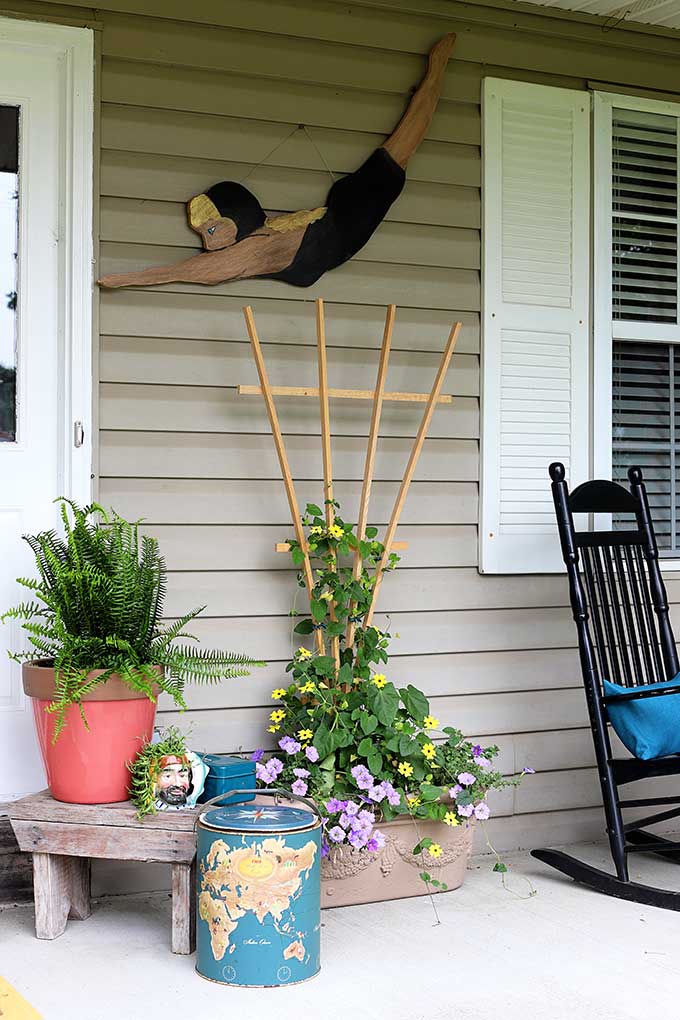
[52,892]
[184,908]
[80,888]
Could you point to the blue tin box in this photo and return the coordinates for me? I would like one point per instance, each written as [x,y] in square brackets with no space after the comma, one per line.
[226,772]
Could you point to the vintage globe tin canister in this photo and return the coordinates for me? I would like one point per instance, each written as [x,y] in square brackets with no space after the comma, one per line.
[258,874]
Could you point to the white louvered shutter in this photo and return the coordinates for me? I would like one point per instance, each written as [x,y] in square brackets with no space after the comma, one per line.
[536,241]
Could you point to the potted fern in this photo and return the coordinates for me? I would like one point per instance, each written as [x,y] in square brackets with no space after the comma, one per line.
[98,653]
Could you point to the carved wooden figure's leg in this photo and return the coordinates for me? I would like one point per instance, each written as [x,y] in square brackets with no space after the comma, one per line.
[80,888]
[415,123]
[52,890]
[184,908]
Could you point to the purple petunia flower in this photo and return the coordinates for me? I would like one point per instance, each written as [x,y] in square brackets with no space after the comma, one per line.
[311,753]
[482,811]
[362,777]
[301,773]
[299,787]
[358,839]
[350,807]
[377,793]
[455,790]
[393,797]
[528,772]
[289,745]
[267,772]
[482,762]
[336,834]
[467,779]
[257,755]
[465,810]
[325,849]
[366,817]
[477,750]
[334,805]
[376,842]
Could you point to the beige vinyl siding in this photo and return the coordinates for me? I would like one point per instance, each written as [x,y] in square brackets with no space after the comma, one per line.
[195,93]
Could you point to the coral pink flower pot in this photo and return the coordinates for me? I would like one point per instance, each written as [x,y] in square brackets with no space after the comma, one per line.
[88,766]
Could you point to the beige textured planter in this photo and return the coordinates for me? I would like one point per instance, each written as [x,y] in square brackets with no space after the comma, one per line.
[349,876]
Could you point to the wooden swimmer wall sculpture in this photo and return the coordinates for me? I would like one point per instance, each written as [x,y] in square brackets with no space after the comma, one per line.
[241,241]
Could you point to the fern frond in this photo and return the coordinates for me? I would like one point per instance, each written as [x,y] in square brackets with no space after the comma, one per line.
[97,605]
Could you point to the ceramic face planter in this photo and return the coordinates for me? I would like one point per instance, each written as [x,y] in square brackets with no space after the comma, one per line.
[178,780]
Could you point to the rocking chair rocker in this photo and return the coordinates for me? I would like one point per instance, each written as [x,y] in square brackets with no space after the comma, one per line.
[620,609]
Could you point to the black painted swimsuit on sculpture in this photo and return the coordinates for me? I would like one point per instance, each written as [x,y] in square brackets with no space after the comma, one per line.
[355,206]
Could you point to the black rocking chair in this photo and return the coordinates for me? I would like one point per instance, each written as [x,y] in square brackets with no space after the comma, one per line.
[620,608]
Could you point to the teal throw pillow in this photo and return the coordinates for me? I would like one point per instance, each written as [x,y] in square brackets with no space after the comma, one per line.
[648,727]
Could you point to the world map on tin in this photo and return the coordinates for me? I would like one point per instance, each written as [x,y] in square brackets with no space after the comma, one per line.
[262,877]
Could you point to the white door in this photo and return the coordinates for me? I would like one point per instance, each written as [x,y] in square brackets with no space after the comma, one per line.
[45,325]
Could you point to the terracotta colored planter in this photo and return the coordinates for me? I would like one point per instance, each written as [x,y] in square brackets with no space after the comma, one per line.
[88,766]
[349,876]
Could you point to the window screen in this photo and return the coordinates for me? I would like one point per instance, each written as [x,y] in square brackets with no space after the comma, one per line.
[644,217]
[646,364]
[646,430]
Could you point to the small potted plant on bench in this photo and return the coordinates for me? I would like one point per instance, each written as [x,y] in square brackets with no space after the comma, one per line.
[99,655]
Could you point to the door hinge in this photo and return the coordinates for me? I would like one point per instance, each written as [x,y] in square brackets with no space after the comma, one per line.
[78,433]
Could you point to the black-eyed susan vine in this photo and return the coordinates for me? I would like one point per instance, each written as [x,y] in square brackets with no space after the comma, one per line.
[364,749]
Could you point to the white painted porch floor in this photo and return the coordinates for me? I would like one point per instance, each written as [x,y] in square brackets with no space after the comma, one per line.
[564,954]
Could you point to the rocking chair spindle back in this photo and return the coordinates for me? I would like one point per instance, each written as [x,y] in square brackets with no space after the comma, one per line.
[630,641]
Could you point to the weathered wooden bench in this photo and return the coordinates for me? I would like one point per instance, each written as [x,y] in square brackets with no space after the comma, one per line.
[64,837]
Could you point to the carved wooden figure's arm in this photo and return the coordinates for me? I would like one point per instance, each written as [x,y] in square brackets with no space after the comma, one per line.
[258,255]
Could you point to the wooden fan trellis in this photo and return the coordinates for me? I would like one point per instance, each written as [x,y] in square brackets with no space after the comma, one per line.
[378,396]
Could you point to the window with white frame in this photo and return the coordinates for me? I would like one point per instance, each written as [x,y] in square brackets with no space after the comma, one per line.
[580,310]
[637,322]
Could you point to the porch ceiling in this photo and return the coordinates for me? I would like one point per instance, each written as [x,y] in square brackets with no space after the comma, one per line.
[662,13]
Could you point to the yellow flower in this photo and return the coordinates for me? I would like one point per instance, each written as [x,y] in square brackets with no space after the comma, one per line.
[327,596]
[379,679]
[278,693]
[304,653]
[277,715]
[273,729]
[316,530]
[305,734]
[335,531]
[307,688]
[434,850]
[405,769]
[450,818]
[429,751]
[430,723]
[413,801]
